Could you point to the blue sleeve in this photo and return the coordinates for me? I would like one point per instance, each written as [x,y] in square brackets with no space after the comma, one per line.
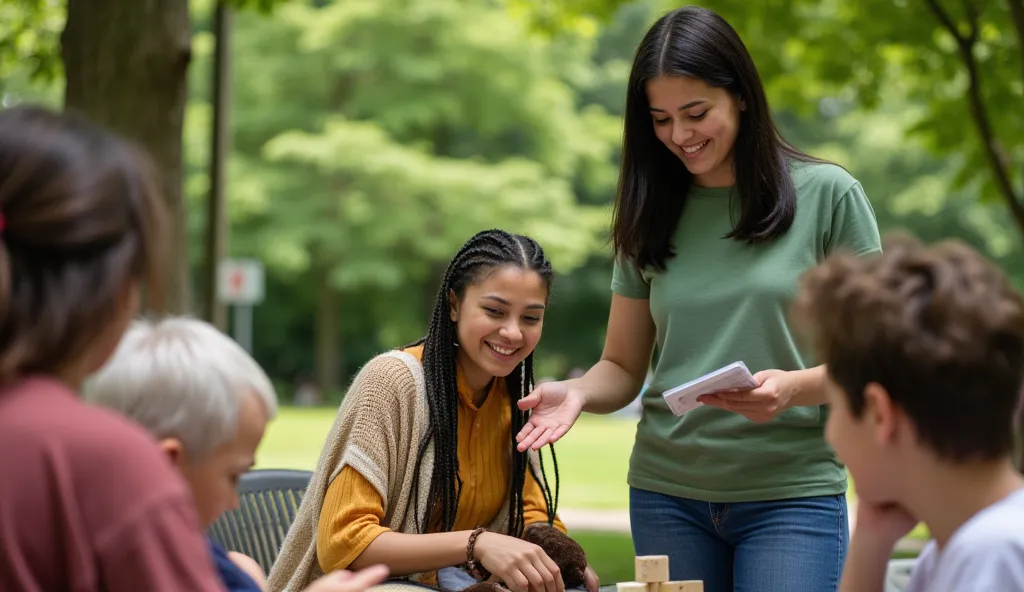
[233,578]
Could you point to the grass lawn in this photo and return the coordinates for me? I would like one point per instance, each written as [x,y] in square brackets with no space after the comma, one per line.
[610,553]
[592,457]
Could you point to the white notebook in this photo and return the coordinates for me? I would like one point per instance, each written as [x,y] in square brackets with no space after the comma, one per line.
[682,399]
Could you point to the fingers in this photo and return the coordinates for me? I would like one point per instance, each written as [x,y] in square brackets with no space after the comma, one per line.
[746,395]
[756,411]
[556,584]
[543,440]
[516,581]
[529,401]
[347,581]
[538,580]
[370,576]
[530,438]
[523,433]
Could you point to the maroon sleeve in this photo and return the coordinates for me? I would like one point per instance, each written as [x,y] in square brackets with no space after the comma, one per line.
[158,550]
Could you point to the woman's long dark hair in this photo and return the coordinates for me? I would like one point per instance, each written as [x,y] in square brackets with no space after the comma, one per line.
[481,255]
[654,183]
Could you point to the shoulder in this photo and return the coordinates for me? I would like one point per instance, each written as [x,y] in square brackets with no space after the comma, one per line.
[89,435]
[1000,526]
[388,378]
[988,550]
[822,178]
[110,466]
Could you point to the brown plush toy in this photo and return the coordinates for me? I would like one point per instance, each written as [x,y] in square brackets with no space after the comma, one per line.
[567,554]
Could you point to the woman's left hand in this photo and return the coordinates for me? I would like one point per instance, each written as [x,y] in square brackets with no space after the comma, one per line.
[590,580]
[759,404]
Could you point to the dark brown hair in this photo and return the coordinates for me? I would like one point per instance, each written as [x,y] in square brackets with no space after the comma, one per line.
[82,218]
[653,183]
[940,328]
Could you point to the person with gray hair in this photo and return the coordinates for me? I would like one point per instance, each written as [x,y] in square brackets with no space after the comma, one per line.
[207,402]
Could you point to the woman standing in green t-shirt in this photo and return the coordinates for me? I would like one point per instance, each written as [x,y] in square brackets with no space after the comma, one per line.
[716,219]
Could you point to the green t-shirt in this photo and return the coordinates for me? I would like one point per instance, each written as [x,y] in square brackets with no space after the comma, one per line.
[720,301]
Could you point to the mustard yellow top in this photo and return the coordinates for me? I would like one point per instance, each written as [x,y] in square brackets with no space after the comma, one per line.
[352,512]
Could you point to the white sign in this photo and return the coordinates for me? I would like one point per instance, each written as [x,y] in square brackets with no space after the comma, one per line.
[240,281]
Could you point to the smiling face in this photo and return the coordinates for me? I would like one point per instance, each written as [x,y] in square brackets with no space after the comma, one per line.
[499,322]
[698,123]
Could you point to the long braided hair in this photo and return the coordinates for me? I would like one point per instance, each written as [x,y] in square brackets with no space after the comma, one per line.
[483,253]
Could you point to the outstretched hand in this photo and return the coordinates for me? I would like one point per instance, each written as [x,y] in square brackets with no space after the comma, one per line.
[555,405]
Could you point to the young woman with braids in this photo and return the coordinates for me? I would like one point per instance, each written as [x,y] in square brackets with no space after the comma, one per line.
[420,470]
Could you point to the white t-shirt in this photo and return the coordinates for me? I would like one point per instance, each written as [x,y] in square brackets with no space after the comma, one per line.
[986,554]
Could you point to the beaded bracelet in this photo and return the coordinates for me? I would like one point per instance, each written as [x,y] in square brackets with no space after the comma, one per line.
[474,568]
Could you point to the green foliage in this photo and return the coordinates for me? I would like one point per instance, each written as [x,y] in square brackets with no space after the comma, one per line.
[872,52]
[372,139]
[30,40]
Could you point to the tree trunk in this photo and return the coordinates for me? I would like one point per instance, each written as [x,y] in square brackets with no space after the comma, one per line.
[328,338]
[220,141]
[126,64]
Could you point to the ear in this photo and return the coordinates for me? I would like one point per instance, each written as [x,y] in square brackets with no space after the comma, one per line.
[174,450]
[743,105]
[882,414]
[453,306]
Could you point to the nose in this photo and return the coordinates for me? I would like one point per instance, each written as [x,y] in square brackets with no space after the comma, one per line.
[680,133]
[510,331]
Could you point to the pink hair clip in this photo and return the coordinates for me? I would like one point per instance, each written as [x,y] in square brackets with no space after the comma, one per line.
[3,222]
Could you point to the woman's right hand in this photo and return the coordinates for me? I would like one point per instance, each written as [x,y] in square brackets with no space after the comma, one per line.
[556,406]
[522,566]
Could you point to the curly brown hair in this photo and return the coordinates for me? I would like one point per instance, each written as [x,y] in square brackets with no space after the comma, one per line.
[82,219]
[939,327]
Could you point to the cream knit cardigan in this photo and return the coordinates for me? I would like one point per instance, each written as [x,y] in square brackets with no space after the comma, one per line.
[378,431]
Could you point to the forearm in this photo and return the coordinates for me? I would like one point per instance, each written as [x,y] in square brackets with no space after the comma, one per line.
[407,554]
[809,388]
[866,565]
[607,387]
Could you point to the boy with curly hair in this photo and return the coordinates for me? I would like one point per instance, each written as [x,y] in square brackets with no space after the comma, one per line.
[925,354]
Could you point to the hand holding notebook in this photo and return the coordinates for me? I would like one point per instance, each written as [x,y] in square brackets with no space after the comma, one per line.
[683,398]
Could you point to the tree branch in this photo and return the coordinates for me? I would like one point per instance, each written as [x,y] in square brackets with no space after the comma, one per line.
[972,21]
[945,19]
[1017,15]
[994,153]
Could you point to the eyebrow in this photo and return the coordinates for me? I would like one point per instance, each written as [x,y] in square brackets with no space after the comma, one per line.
[507,303]
[683,108]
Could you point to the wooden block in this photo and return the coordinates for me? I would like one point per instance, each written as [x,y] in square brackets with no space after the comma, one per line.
[681,586]
[632,587]
[652,569]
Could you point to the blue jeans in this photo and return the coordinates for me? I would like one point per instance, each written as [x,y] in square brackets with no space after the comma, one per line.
[793,545]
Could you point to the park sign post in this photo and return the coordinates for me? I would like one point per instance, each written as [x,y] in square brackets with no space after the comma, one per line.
[240,284]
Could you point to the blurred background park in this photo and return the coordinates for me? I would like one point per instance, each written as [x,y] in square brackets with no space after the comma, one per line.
[348,147]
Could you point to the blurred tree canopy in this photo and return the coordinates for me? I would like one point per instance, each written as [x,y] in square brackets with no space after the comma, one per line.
[370,139]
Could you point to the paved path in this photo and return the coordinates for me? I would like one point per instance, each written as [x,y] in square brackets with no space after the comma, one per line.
[618,521]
